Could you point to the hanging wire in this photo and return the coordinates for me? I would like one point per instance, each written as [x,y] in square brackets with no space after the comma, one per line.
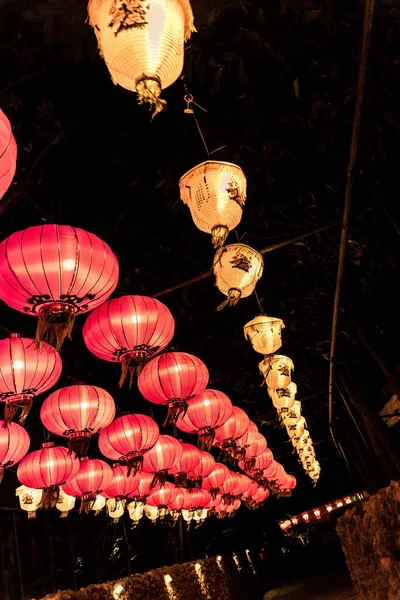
[188,98]
[260,306]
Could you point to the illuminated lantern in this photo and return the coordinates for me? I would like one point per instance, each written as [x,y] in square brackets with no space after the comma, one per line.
[260,495]
[77,412]
[48,468]
[286,484]
[215,193]
[203,469]
[307,460]
[214,481]
[277,371]
[243,485]
[143,486]
[92,478]
[96,505]
[127,438]
[261,462]
[142,43]
[14,444]
[121,485]
[129,330]
[315,472]
[205,413]
[8,154]
[189,461]
[273,472]
[25,372]
[196,500]
[30,499]
[237,268]
[303,441]
[200,515]
[246,440]
[250,492]
[255,449]
[174,507]
[283,398]
[55,272]
[152,512]
[161,458]
[295,432]
[233,429]
[135,511]
[293,416]
[163,496]
[115,509]
[264,333]
[172,379]
[65,503]
[231,482]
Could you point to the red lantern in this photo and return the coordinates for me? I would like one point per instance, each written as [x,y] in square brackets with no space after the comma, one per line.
[229,485]
[121,486]
[196,500]
[128,438]
[274,471]
[189,461]
[286,484]
[205,412]
[203,469]
[8,154]
[233,429]
[162,497]
[243,485]
[160,459]
[48,468]
[260,462]
[249,493]
[255,449]
[25,372]
[260,495]
[143,483]
[14,444]
[228,510]
[214,481]
[129,330]
[172,379]
[92,478]
[55,272]
[177,504]
[77,412]
[246,440]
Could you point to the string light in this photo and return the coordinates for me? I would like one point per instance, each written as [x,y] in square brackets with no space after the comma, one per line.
[250,562]
[320,512]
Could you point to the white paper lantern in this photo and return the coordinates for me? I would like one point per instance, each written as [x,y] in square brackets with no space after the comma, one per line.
[283,398]
[215,193]
[135,510]
[295,432]
[303,441]
[315,471]
[98,504]
[142,43]
[200,514]
[187,515]
[277,370]
[151,512]
[292,416]
[29,499]
[65,503]
[115,508]
[237,268]
[264,333]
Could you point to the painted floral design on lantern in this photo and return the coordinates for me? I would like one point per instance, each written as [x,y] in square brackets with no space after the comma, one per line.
[128,13]
[264,333]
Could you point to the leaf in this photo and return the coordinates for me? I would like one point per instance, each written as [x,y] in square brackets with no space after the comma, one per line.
[296,87]
[311,15]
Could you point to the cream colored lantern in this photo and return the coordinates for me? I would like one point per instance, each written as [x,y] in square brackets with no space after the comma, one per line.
[29,499]
[215,193]
[65,503]
[115,508]
[151,512]
[200,514]
[295,432]
[98,504]
[315,471]
[277,370]
[283,398]
[142,43]
[293,415]
[264,333]
[187,515]
[307,460]
[237,268]
[303,441]
[135,510]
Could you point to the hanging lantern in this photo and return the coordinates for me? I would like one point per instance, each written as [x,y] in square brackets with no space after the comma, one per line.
[315,472]
[214,481]
[307,460]
[8,154]
[205,413]
[129,330]
[77,412]
[161,457]
[121,485]
[286,484]
[65,503]
[135,511]
[174,507]
[303,441]
[233,429]
[292,416]
[277,371]
[246,440]
[237,268]
[255,449]
[272,473]
[14,444]
[30,499]
[200,515]
[283,398]
[243,485]
[48,468]
[227,488]
[249,493]
[115,509]
[142,43]
[25,372]
[163,496]
[260,463]
[264,333]
[203,469]
[172,379]
[196,500]
[95,505]
[260,495]
[128,438]
[215,193]
[143,486]
[92,478]
[55,272]
[295,432]
[151,512]
[189,461]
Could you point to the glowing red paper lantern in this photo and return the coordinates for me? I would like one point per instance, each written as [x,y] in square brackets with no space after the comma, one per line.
[55,272]
[274,471]
[205,413]
[286,484]
[48,468]
[214,481]
[162,497]
[14,444]
[233,429]
[77,412]
[143,483]
[189,460]
[127,438]
[92,478]
[261,495]
[25,372]
[160,459]
[261,462]
[227,488]
[176,505]
[204,468]
[196,499]
[255,449]
[8,154]
[172,379]
[129,330]
[243,485]
[121,485]
[249,493]
[246,440]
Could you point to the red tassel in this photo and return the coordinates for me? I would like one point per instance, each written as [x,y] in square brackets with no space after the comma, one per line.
[134,465]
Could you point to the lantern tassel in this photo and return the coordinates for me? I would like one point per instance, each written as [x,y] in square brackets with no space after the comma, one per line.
[175,410]
[32,514]
[231,300]
[64,514]
[50,497]
[159,478]
[132,363]
[12,407]
[219,233]
[181,480]
[55,324]
[148,89]
[249,464]
[10,411]
[214,493]
[134,465]
[79,446]
[206,439]
[86,505]
[26,408]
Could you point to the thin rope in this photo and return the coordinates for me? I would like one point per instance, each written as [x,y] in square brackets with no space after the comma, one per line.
[188,98]
[260,306]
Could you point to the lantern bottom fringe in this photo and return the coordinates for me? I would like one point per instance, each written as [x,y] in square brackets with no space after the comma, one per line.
[214,493]
[232,299]
[195,484]
[205,439]
[249,464]
[119,503]
[11,409]
[50,497]
[55,325]
[181,480]
[87,505]
[219,233]
[148,89]
[64,514]
[32,514]
[134,465]
[159,478]
[175,410]
[133,364]
[79,446]
[222,514]
[240,453]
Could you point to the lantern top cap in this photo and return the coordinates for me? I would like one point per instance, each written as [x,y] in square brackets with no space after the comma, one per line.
[234,248]
[272,358]
[47,444]
[209,165]
[263,319]
[14,335]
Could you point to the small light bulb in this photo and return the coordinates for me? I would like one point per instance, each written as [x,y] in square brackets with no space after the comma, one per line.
[206,402]
[158,447]
[128,432]
[135,319]
[84,405]
[68,264]
[18,364]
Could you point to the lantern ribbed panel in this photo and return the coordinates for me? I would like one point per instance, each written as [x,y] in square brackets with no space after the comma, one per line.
[283,398]
[8,154]
[205,467]
[215,193]
[249,437]
[287,482]
[196,499]
[231,481]
[120,486]
[264,333]
[261,495]
[277,370]
[253,489]
[216,478]
[153,48]
[243,485]
[293,415]
[189,460]
[163,496]
[172,377]
[129,435]
[274,471]
[237,267]
[14,444]
[56,263]
[234,428]
[128,324]
[297,431]
[92,478]
[47,467]
[261,462]
[77,409]
[163,455]
[25,368]
[144,485]
[231,508]
[210,409]
[177,504]
[257,447]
